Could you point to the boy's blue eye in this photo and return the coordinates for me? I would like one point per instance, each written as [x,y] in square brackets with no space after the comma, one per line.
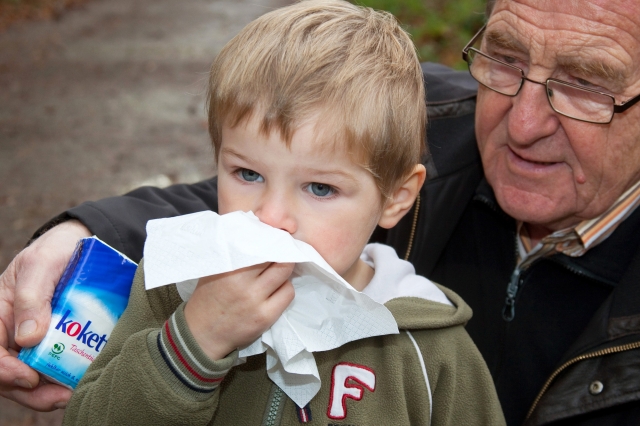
[251,176]
[320,189]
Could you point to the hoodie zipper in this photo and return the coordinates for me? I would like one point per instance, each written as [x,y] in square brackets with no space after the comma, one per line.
[607,351]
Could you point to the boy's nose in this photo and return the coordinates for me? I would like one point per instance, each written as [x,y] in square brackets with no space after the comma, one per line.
[277,213]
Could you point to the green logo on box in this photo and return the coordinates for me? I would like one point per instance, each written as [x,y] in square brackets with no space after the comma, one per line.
[58,348]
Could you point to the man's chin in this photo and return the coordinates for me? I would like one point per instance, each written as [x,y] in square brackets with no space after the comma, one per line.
[533,207]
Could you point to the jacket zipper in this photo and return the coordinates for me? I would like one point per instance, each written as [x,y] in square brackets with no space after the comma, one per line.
[516,281]
[509,308]
[275,407]
[607,351]
[414,225]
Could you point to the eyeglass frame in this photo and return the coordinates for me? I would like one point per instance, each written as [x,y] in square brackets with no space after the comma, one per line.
[617,108]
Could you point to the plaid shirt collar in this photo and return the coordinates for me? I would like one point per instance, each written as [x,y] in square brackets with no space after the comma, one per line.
[578,240]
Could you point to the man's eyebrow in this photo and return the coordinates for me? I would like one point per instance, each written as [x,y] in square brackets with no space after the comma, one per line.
[571,64]
[579,67]
[504,41]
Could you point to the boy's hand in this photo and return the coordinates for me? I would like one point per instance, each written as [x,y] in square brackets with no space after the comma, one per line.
[231,310]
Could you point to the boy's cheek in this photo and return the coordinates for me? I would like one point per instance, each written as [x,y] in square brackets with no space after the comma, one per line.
[232,196]
[340,247]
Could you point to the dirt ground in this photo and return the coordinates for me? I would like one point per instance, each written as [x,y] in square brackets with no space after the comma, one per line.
[106,98]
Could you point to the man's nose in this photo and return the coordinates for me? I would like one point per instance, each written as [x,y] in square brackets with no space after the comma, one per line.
[278,211]
[531,117]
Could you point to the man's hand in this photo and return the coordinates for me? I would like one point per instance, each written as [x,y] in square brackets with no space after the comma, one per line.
[26,289]
[231,310]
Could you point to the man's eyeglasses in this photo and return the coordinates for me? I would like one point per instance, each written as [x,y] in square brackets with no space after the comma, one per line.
[565,98]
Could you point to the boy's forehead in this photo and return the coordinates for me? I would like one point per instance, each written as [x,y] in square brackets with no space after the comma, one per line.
[318,136]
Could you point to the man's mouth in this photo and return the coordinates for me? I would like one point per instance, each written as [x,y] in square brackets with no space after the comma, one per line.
[542,163]
[530,164]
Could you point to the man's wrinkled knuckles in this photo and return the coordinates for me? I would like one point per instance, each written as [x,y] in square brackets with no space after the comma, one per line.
[39,256]
[42,398]
[11,368]
[31,301]
[4,334]
[8,281]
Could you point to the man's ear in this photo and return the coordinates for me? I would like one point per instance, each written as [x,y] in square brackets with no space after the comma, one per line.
[403,197]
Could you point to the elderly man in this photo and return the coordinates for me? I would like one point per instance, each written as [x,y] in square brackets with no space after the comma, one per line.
[535,225]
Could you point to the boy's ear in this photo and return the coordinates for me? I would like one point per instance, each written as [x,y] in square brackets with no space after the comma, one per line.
[402,198]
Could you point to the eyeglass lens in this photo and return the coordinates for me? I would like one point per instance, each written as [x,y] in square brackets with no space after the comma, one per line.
[564,99]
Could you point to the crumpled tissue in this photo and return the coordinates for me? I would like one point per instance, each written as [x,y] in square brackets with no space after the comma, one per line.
[326,312]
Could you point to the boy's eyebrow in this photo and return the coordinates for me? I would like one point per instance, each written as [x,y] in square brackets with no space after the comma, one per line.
[337,173]
[316,172]
[230,151]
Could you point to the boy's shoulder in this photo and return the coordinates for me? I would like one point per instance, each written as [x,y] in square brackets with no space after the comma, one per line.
[416,313]
[416,302]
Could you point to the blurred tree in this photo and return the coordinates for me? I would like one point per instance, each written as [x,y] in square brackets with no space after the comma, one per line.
[440,28]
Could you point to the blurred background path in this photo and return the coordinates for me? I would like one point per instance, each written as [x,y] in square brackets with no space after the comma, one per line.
[108,97]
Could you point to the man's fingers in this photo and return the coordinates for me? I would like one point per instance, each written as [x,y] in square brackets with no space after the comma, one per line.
[37,274]
[45,397]
[7,290]
[37,271]
[15,373]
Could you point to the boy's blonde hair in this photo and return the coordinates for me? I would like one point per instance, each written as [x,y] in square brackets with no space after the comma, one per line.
[351,68]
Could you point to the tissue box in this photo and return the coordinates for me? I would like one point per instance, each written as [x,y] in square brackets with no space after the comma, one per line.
[89,299]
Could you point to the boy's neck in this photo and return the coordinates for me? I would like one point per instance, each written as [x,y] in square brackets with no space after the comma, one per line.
[359,275]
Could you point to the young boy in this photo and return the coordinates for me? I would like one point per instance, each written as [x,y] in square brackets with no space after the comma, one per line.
[317,116]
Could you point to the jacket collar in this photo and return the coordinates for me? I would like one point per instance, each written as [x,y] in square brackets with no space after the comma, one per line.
[616,262]
[606,262]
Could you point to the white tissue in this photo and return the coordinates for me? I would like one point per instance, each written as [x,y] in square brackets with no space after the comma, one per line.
[326,312]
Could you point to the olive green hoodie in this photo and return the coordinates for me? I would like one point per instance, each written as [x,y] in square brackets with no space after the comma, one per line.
[153,372]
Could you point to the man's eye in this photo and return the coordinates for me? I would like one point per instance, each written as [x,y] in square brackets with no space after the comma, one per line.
[320,189]
[583,82]
[250,175]
[508,59]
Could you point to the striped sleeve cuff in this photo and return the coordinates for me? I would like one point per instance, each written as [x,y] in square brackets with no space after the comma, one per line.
[182,363]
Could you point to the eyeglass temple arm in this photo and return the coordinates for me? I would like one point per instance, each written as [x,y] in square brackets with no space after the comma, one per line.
[465,51]
[625,105]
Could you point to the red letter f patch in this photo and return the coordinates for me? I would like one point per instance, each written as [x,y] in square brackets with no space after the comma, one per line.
[341,388]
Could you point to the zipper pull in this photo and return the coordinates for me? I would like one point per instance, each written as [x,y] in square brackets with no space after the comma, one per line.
[509,309]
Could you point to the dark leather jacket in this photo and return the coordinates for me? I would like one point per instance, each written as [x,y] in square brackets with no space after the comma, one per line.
[570,355]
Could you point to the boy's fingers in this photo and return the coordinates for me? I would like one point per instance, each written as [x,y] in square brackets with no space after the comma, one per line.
[272,278]
[281,298]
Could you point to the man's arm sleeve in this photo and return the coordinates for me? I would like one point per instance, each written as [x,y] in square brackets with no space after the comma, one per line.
[121,221]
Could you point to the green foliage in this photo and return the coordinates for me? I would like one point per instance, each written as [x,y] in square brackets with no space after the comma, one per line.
[439,28]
